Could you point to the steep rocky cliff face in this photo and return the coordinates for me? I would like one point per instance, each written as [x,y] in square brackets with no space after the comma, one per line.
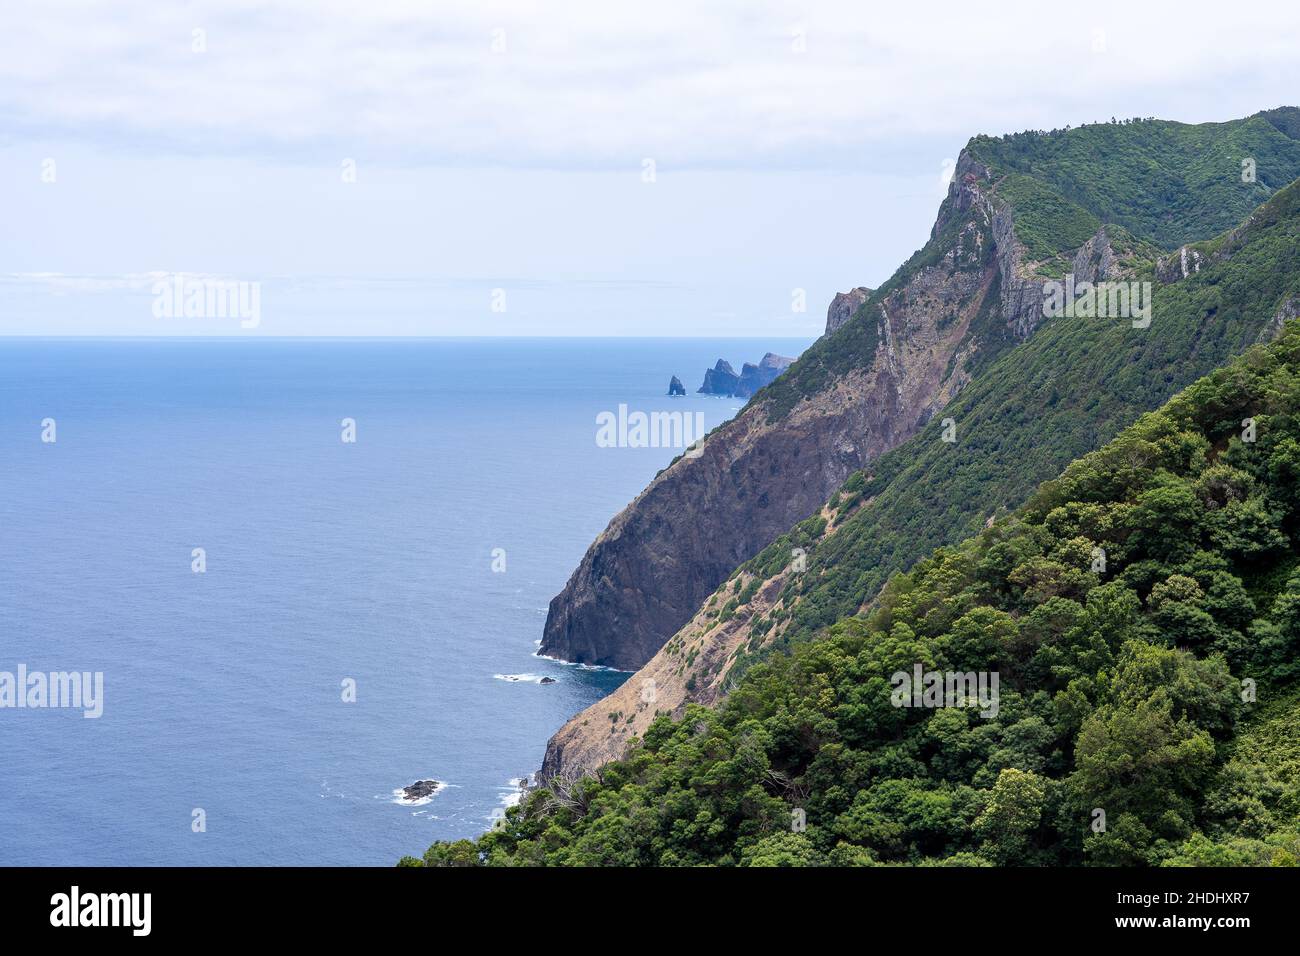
[754,377]
[843,306]
[722,378]
[902,352]
[692,667]
[1076,383]
[650,570]
[719,380]
[647,577]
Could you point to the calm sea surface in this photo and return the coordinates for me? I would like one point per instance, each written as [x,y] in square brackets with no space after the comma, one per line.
[326,563]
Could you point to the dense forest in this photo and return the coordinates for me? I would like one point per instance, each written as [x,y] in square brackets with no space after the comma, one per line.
[1142,614]
[1130,581]
[1162,181]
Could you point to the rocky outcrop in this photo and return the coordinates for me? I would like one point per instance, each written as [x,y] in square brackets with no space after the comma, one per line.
[1021,294]
[843,307]
[1288,310]
[675,387]
[1179,265]
[720,380]
[753,377]
[663,555]
[1095,261]
[421,789]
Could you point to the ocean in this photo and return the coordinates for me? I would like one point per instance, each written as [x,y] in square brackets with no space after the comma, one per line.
[366,613]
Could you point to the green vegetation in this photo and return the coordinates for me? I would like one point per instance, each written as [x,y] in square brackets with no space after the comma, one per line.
[1065,391]
[1168,183]
[1142,610]
[1046,222]
[1132,609]
[1157,184]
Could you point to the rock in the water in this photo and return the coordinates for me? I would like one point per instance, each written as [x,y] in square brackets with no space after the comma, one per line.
[723,380]
[675,387]
[753,377]
[547,680]
[720,380]
[421,789]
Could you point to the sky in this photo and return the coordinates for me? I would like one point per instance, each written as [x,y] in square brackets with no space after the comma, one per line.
[558,168]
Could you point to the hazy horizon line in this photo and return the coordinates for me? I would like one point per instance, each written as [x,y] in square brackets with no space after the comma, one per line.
[235,337]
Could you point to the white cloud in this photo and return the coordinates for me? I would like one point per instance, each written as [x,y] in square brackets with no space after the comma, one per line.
[602,84]
[776,168]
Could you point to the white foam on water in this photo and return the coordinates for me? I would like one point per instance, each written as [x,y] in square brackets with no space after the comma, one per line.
[509,796]
[581,667]
[401,799]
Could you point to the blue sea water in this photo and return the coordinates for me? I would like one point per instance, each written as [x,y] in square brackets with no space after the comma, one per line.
[326,562]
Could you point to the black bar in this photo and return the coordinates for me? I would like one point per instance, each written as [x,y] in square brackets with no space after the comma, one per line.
[328,905]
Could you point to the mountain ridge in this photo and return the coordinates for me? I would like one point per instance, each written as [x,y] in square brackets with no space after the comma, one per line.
[694,665]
